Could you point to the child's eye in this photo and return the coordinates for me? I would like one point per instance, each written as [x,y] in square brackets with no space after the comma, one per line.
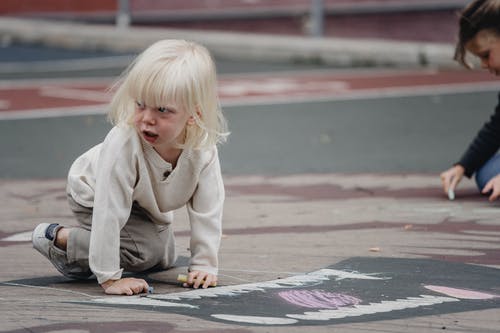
[140,105]
[484,55]
[164,109]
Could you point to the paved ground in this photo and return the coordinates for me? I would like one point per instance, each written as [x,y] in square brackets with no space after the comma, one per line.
[367,239]
[304,249]
[334,219]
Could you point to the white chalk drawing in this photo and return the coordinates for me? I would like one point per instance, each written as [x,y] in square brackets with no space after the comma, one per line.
[20,237]
[372,308]
[356,290]
[305,280]
[461,293]
[143,301]
[259,320]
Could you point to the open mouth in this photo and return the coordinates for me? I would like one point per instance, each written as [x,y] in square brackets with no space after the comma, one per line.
[149,136]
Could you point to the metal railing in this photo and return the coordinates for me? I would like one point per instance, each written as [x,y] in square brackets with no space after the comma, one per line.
[316,17]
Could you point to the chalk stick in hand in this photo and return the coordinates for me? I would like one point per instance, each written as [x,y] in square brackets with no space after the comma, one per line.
[184,279]
[451,194]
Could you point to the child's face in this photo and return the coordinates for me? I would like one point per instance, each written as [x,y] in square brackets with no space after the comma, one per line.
[162,126]
[486,46]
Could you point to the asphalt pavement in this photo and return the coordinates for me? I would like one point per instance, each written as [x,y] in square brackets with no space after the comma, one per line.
[334,220]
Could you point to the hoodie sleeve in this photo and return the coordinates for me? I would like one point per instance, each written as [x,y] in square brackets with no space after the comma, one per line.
[205,216]
[115,180]
[484,145]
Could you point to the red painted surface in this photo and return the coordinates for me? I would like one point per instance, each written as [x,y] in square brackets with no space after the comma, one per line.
[265,87]
[96,5]
[37,6]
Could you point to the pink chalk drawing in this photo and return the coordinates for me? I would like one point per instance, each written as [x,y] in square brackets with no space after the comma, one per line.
[318,299]
[461,293]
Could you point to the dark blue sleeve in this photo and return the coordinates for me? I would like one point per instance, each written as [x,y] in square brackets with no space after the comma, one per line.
[484,145]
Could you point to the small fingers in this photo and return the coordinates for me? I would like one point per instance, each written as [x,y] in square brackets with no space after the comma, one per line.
[450,179]
[494,195]
[210,281]
[198,282]
[197,279]
[490,189]
[445,181]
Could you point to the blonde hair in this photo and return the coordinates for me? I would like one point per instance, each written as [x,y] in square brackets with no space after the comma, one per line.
[478,15]
[179,72]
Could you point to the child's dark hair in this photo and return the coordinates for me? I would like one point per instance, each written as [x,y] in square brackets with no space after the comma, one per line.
[478,15]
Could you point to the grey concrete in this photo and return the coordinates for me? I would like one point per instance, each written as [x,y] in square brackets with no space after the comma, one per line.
[406,134]
[274,228]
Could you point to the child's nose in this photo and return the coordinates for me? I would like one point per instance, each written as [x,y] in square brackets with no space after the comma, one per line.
[149,116]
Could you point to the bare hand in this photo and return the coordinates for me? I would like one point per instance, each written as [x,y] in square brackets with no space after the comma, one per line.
[451,177]
[492,186]
[126,286]
[202,279]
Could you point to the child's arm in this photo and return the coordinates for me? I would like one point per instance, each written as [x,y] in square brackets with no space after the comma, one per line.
[205,217]
[114,185]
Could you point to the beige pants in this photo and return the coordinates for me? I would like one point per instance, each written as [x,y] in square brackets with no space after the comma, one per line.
[144,245]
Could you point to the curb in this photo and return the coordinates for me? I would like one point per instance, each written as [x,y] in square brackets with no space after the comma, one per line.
[235,46]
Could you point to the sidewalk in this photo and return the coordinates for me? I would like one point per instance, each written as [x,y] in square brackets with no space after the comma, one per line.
[353,253]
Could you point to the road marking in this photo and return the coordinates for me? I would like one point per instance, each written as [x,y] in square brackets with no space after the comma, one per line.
[363,94]
[55,112]
[75,94]
[66,98]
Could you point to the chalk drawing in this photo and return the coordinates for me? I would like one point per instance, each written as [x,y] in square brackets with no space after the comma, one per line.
[373,308]
[143,301]
[20,237]
[461,293]
[255,319]
[355,290]
[318,299]
[304,280]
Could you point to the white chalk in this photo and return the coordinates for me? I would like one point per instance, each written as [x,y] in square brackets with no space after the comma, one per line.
[451,194]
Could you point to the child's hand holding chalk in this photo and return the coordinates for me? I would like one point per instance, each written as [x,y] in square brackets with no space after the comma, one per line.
[450,179]
[451,194]
[198,279]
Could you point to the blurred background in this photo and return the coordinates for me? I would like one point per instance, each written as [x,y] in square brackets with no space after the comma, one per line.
[423,20]
[308,86]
